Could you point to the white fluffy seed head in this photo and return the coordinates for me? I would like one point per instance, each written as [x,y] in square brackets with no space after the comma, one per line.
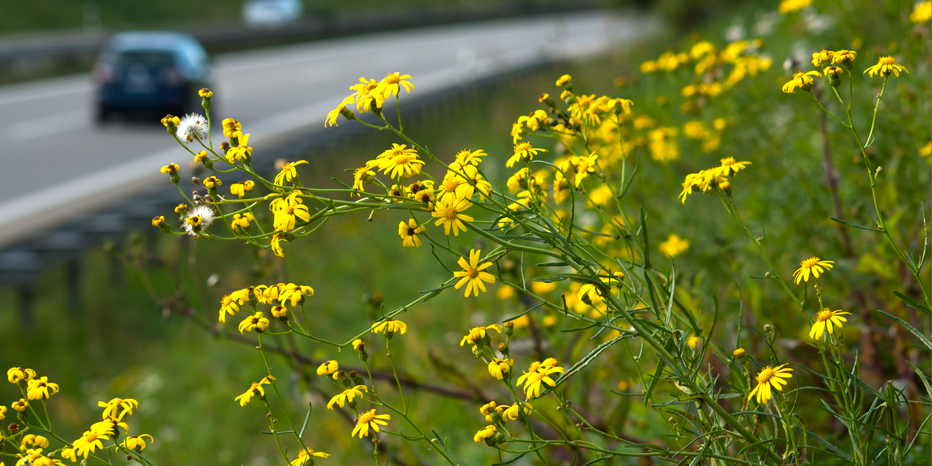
[192,127]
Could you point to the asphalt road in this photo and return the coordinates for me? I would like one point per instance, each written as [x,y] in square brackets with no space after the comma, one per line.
[56,164]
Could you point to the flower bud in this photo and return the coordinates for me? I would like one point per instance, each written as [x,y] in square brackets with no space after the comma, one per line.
[509,328]
[739,352]
[205,94]
[768,328]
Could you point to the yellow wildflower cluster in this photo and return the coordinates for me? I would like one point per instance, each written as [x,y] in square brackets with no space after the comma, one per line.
[717,178]
[280,297]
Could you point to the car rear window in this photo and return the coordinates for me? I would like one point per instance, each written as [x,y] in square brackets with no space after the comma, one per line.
[152,59]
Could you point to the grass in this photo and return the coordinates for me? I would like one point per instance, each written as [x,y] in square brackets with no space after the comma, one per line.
[122,346]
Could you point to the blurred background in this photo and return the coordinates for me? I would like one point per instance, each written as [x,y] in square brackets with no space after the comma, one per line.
[95,298]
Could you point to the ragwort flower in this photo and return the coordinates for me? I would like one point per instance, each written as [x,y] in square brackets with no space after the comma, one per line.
[304,455]
[255,388]
[408,232]
[500,368]
[348,395]
[770,377]
[472,275]
[16,374]
[392,84]
[827,319]
[368,420]
[113,411]
[800,81]
[812,265]
[389,326]
[523,151]
[885,66]
[40,388]
[256,322]
[477,334]
[449,214]
[538,374]
[328,368]
[136,442]
[485,433]
[288,172]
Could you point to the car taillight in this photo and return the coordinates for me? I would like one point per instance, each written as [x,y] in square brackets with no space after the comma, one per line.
[105,73]
[170,76]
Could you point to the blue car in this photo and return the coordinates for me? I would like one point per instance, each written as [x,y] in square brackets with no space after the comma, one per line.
[150,72]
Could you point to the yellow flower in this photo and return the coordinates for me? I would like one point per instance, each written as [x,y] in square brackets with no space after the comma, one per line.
[288,172]
[68,453]
[775,377]
[827,319]
[279,311]
[729,166]
[389,326]
[287,212]
[229,305]
[240,189]
[275,244]
[158,221]
[537,375]
[303,456]
[358,344]
[408,232]
[564,79]
[137,443]
[789,6]
[256,387]
[369,419]
[20,405]
[823,56]
[472,274]
[328,368]
[523,151]
[673,246]
[885,66]
[477,334]
[470,157]
[340,110]
[256,322]
[40,388]
[449,214]
[391,84]
[89,443]
[400,162]
[485,433]
[181,208]
[242,151]
[294,294]
[362,175]
[511,413]
[111,407]
[800,81]
[738,352]
[36,441]
[15,374]
[231,127]
[585,166]
[812,265]
[2,417]
[347,396]
[499,368]
[922,12]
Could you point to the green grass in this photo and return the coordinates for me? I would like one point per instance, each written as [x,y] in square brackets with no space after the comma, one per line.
[186,380]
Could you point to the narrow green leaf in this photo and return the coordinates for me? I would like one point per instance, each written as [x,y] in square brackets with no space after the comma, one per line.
[854,225]
[924,339]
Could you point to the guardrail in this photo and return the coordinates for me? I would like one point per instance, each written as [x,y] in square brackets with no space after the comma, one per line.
[29,55]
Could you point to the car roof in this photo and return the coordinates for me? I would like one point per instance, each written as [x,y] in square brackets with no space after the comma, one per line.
[150,40]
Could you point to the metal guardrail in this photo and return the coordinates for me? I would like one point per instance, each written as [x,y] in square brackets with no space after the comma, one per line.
[32,53]
[21,265]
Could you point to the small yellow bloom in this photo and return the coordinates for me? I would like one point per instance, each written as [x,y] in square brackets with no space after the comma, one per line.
[256,322]
[158,221]
[399,161]
[673,246]
[389,326]
[885,66]
[538,374]
[729,166]
[288,172]
[20,405]
[922,12]
[523,151]
[328,368]
[304,455]
[68,453]
[738,352]
[477,334]
[449,213]
[340,110]
[392,84]
[36,441]
[112,408]
[212,182]
[564,79]
[16,374]
[827,319]
[823,56]
[500,368]
[775,377]
[255,388]
[485,433]
[205,93]
[89,443]
[472,275]
[293,294]
[408,232]
[137,443]
[170,168]
[347,396]
[368,420]
[789,6]
[800,81]
[812,265]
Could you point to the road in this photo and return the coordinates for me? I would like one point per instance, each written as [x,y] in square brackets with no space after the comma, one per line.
[57,165]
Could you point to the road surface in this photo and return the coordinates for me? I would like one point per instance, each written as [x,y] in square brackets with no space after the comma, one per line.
[56,165]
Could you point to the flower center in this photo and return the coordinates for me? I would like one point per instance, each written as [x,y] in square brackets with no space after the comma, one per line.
[393,79]
[411,232]
[450,213]
[367,417]
[291,211]
[522,147]
[887,61]
[473,273]
[765,375]
[824,315]
[450,184]
[728,161]
[809,263]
